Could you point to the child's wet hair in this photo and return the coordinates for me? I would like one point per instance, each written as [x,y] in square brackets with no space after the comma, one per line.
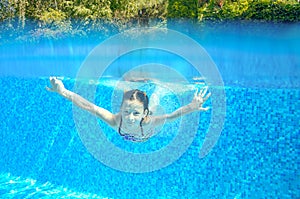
[137,95]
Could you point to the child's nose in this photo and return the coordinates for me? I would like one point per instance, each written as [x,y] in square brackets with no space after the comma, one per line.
[131,116]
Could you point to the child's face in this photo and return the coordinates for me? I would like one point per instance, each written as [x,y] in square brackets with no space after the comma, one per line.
[132,112]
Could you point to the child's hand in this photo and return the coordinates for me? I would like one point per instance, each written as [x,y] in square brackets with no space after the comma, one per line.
[200,98]
[57,85]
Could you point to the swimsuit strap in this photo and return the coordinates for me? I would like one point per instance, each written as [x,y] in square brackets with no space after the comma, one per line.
[130,137]
[134,139]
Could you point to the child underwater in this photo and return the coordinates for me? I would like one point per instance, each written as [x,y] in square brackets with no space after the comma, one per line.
[134,121]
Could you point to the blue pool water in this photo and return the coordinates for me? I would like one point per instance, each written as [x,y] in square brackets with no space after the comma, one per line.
[256,155]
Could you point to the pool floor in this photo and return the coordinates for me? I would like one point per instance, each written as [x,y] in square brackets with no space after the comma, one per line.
[256,156]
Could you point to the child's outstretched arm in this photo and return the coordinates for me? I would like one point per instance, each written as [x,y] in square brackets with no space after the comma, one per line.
[200,97]
[103,114]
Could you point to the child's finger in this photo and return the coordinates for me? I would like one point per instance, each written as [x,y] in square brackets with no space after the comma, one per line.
[203,91]
[207,96]
[196,93]
[49,89]
[204,108]
[53,80]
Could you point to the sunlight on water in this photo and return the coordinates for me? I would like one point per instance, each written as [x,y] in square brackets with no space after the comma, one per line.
[19,187]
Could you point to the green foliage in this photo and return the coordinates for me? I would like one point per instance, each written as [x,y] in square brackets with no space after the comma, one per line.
[93,9]
[265,10]
[186,9]
[273,11]
[129,13]
[52,16]
[53,24]
[235,9]
[128,10]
